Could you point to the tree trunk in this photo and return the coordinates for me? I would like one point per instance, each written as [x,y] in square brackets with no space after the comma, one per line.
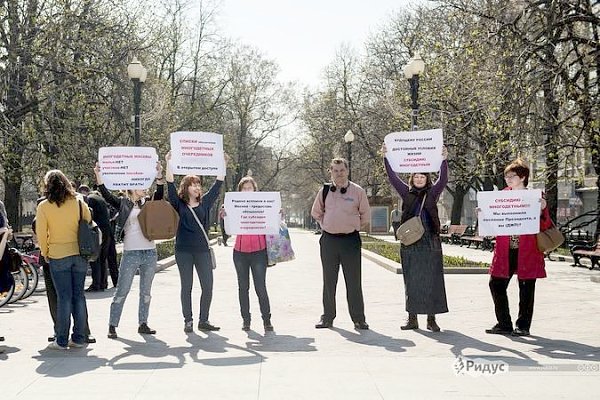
[457,205]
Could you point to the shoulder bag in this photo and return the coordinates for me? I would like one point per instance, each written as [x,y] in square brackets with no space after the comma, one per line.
[213,260]
[550,239]
[88,237]
[412,229]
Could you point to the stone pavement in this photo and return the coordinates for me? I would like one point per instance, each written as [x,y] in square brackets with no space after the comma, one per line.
[560,360]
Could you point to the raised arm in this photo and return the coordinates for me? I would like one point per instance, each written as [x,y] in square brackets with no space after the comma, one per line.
[398,184]
[440,184]
[108,196]
[213,193]
[159,193]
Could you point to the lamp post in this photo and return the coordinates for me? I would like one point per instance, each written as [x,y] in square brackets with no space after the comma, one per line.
[137,73]
[412,70]
[349,138]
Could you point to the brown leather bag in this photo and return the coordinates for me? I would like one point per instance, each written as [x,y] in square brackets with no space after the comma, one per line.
[158,220]
[412,229]
[549,240]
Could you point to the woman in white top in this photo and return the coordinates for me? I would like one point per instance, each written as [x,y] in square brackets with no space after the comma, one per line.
[138,252]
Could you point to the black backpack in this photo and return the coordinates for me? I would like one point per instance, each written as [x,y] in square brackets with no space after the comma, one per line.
[88,236]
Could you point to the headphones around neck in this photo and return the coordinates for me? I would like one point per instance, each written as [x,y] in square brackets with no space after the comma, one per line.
[342,190]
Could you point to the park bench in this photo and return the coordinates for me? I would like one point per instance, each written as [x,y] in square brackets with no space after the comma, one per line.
[586,251]
[454,233]
[486,242]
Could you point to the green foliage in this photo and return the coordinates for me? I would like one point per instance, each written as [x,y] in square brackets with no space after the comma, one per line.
[391,251]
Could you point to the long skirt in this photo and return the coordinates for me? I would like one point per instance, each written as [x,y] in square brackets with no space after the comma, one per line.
[423,270]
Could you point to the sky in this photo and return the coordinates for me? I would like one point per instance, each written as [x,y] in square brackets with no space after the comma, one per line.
[302,36]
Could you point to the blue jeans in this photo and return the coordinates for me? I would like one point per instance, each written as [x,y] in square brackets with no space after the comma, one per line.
[186,262]
[257,263]
[68,276]
[131,260]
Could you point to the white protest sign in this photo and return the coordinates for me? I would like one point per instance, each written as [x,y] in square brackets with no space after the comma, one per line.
[127,168]
[415,151]
[252,213]
[509,212]
[197,153]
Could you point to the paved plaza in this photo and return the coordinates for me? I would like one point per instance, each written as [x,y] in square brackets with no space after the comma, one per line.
[560,360]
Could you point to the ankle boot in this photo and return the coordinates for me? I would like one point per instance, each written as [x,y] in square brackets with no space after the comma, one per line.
[112,332]
[411,323]
[431,324]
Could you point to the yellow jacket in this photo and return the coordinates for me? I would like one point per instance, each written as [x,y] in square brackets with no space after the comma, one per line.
[56,227]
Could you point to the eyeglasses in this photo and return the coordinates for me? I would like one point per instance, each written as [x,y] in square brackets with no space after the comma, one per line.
[510,176]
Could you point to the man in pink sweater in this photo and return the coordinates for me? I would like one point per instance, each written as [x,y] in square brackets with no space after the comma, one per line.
[341,208]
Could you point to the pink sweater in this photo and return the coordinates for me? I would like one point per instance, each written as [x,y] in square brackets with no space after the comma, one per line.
[250,243]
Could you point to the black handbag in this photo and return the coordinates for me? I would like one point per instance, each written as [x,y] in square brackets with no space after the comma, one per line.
[88,236]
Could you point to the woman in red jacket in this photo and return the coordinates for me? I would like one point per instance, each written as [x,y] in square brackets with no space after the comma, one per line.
[517,254]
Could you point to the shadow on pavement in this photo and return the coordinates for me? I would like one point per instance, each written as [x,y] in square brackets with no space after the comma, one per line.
[460,342]
[373,338]
[52,362]
[272,342]
[150,348]
[214,343]
[6,350]
[561,349]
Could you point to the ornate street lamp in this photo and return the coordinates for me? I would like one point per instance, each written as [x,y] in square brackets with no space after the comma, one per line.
[349,138]
[412,70]
[137,73]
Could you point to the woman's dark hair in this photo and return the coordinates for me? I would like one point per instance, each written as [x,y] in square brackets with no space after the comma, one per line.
[520,168]
[57,188]
[186,182]
[245,180]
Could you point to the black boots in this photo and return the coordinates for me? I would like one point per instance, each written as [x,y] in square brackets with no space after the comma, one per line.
[431,324]
[112,332]
[411,323]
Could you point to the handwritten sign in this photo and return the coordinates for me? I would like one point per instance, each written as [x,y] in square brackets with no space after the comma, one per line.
[252,213]
[509,212]
[127,168]
[197,153]
[415,151]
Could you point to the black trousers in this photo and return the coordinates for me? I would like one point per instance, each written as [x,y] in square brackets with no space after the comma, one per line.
[52,298]
[344,250]
[111,260]
[99,270]
[498,288]
[395,226]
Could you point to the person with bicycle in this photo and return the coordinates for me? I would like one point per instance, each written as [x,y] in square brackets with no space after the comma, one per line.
[6,279]
[138,251]
[191,246]
[57,224]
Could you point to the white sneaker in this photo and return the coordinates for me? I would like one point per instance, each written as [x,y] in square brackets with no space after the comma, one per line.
[55,346]
[76,345]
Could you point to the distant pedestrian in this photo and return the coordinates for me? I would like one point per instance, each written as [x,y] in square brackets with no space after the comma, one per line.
[422,262]
[517,254]
[101,217]
[224,235]
[341,208]
[395,217]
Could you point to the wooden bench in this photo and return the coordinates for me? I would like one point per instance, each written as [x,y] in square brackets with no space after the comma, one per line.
[590,251]
[454,233]
[480,242]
